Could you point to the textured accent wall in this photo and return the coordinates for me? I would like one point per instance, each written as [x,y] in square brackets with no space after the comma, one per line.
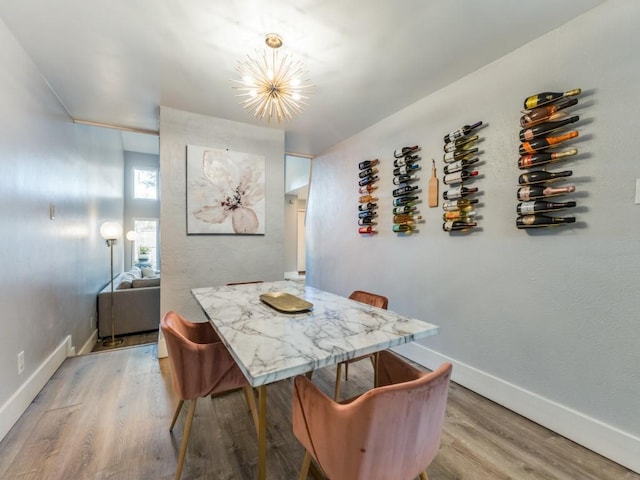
[552,313]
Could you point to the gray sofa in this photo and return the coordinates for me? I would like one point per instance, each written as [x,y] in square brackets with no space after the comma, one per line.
[136,303]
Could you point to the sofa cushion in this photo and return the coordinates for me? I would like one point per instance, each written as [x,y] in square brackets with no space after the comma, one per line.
[136,272]
[126,280]
[148,273]
[145,282]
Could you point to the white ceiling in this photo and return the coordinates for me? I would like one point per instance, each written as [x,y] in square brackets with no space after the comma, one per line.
[117,61]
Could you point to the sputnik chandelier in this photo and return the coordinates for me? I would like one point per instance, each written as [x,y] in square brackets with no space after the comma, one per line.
[274,86]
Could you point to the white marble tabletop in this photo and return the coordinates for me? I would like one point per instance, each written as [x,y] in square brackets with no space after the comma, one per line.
[269,345]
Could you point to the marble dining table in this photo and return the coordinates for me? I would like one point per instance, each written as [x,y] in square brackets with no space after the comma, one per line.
[271,345]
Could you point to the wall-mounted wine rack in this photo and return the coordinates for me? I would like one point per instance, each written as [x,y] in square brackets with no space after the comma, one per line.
[406,190]
[367,210]
[545,126]
[461,156]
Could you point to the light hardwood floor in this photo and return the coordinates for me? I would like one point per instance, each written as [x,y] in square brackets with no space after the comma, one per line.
[106,416]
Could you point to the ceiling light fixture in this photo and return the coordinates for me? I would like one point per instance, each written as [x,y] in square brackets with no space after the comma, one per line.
[274,86]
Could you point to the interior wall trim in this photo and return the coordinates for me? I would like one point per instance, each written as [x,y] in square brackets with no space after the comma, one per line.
[116,127]
[610,442]
[15,406]
[89,344]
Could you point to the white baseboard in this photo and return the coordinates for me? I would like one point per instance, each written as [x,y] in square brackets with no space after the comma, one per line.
[608,441]
[15,406]
[89,344]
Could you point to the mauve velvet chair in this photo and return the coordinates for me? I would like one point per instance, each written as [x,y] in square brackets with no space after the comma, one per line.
[391,432]
[200,366]
[370,299]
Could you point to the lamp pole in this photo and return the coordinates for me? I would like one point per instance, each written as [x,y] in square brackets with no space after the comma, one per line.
[111,231]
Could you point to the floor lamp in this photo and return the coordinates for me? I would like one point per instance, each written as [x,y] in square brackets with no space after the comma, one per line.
[111,232]
[131,236]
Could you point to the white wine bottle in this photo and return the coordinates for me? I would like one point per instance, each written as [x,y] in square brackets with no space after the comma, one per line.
[409,159]
[462,143]
[404,228]
[458,177]
[458,154]
[464,204]
[459,215]
[400,179]
[408,209]
[406,218]
[458,192]
[461,132]
[459,165]
[401,152]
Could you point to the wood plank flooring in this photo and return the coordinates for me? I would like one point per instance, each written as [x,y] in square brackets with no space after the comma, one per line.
[106,416]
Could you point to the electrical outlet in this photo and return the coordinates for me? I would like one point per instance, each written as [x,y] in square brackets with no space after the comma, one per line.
[21,362]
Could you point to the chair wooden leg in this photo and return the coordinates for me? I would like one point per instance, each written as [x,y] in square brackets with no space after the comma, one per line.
[423,476]
[185,437]
[336,392]
[175,414]
[346,371]
[251,403]
[304,470]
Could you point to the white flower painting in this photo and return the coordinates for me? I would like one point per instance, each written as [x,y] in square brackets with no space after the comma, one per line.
[225,192]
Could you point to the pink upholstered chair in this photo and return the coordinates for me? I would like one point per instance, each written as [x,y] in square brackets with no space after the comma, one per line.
[390,432]
[200,366]
[370,299]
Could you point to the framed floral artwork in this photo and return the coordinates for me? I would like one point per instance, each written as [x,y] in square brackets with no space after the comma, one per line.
[225,192]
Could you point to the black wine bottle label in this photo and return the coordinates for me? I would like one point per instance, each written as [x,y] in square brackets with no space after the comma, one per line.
[540,206]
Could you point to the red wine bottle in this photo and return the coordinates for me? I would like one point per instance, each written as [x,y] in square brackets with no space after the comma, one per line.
[544,128]
[534,193]
[458,177]
[540,206]
[537,221]
[368,180]
[539,144]
[406,169]
[537,159]
[409,159]
[367,221]
[548,97]
[462,143]
[451,225]
[461,132]
[400,201]
[368,171]
[368,164]
[398,192]
[367,206]
[400,179]
[541,176]
[458,192]
[401,152]
[367,230]
[459,165]
[368,188]
[543,114]
[458,154]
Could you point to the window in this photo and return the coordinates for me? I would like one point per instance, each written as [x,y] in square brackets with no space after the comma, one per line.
[145,184]
[146,243]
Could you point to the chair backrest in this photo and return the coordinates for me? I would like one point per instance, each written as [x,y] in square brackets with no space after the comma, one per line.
[200,363]
[390,432]
[370,298]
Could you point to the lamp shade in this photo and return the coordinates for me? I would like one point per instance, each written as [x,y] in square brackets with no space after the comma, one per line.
[111,230]
[131,235]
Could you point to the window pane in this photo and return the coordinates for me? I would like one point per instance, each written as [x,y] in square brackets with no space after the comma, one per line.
[145,184]
[146,244]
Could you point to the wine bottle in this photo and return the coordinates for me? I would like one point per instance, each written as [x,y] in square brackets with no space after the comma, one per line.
[401,152]
[459,165]
[541,176]
[404,228]
[368,164]
[462,143]
[451,225]
[459,215]
[461,132]
[367,213]
[544,128]
[400,179]
[408,209]
[542,114]
[547,97]
[537,159]
[398,192]
[367,180]
[540,206]
[467,156]
[537,221]
[368,188]
[409,159]
[406,218]
[400,201]
[368,171]
[458,192]
[458,154]
[458,177]
[406,169]
[367,206]
[463,204]
[539,144]
[534,193]
[367,221]
[365,230]
[367,198]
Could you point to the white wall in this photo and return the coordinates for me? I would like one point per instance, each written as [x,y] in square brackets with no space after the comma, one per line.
[205,260]
[51,269]
[545,322]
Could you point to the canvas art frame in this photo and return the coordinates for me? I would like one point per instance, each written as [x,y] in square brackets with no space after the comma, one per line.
[225,192]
